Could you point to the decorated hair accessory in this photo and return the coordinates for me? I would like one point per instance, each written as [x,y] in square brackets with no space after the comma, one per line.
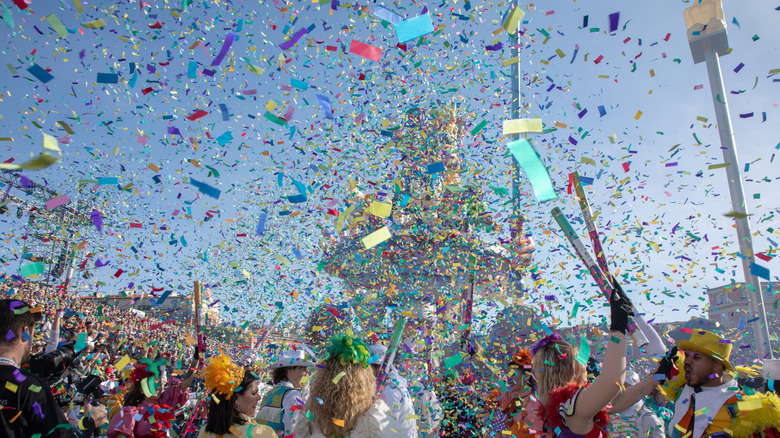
[541,343]
[223,376]
[522,358]
[349,349]
[140,372]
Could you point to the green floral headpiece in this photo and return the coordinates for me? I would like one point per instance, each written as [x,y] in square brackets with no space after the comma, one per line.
[349,350]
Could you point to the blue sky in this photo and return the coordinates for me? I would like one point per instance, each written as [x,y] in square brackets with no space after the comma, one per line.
[119,129]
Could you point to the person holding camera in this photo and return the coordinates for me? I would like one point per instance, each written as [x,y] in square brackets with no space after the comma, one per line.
[28,407]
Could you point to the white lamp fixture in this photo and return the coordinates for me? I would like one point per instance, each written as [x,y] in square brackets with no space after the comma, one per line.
[706,28]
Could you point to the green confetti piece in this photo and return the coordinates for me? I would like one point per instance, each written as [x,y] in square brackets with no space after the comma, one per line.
[479,127]
[56,24]
[614,339]
[453,361]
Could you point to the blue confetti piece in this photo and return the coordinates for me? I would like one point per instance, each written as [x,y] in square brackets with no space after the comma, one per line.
[261,224]
[40,74]
[107,78]
[435,168]
[225,113]
[759,271]
[325,106]
[205,188]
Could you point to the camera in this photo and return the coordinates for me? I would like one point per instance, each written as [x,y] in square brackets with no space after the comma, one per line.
[53,364]
[60,366]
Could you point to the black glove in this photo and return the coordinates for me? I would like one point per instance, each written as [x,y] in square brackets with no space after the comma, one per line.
[666,365]
[621,308]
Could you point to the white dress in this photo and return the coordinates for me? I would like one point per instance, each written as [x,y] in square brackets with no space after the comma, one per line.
[376,422]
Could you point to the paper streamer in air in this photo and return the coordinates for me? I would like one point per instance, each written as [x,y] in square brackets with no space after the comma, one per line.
[528,159]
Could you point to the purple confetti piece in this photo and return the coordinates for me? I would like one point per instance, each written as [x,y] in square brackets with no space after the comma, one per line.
[100,264]
[15,304]
[614,20]
[37,408]
[9,336]
[19,376]
[26,182]
[291,42]
[224,50]
[494,47]
[97,220]
[174,131]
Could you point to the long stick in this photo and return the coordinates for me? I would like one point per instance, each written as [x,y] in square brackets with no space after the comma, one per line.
[601,279]
[395,342]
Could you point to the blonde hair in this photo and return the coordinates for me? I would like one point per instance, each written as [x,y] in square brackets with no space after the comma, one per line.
[554,366]
[345,400]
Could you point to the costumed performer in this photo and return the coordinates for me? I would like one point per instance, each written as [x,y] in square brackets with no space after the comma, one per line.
[516,404]
[282,405]
[639,420]
[144,413]
[707,399]
[395,391]
[342,401]
[570,407]
[233,401]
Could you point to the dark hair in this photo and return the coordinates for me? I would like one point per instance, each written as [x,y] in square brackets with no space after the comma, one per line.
[223,415]
[134,395]
[10,321]
[279,375]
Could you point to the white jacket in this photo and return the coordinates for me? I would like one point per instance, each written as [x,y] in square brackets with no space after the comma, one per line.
[376,422]
[396,394]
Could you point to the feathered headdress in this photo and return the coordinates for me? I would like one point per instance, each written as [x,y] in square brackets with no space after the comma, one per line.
[349,349]
[140,372]
[522,357]
[223,376]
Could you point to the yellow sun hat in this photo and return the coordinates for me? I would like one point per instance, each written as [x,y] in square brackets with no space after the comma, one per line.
[710,344]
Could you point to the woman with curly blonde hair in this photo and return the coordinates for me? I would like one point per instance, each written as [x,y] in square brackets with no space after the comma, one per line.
[342,402]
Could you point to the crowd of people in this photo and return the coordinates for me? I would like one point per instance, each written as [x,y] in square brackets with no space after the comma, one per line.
[71,367]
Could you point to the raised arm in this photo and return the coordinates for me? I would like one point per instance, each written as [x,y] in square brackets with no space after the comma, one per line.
[629,396]
[597,396]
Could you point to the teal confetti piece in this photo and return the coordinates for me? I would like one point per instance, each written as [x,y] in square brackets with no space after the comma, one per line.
[81,342]
[528,159]
[584,353]
[453,361]
[31,269]
[413,28]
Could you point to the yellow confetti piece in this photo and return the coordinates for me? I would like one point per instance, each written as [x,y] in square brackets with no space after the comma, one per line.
[338,422]
[377,237]
[50,143]
[520,126]
[95,24]
[79,8]
[42,161]
[339,376]
[510,61]
[380,209]
[638,115]
[123,362]
[513,19]
[11,386]
[153,167]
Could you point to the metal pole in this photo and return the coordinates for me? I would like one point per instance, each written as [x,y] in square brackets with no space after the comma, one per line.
[738,204]
[516,97]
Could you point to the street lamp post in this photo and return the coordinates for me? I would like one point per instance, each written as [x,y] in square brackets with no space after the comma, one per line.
[708,40]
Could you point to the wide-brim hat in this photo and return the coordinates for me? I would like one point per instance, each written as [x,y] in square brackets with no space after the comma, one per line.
[378,353]
[291,358]
[709,343]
